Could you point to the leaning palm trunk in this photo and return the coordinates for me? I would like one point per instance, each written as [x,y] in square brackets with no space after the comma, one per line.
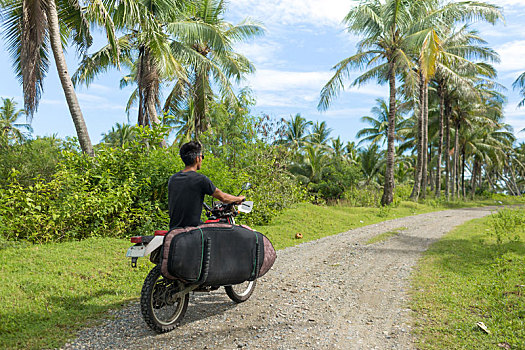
[440,140]
[148,85]
[65,79]
[200,103]
[388,191]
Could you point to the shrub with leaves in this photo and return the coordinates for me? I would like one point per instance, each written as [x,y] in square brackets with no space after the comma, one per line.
[507,225]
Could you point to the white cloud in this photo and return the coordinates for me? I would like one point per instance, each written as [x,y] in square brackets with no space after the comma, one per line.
[512,54]
[274,88]
[508,3]
[262,52]
[293,12]
[346,113]
[94,102]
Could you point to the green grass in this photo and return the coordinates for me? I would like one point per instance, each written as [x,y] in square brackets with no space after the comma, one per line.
[50,291]
[386,235]
[315,222]
[467,278]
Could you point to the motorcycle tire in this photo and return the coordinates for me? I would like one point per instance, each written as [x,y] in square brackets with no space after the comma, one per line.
[161,311]
[240,292]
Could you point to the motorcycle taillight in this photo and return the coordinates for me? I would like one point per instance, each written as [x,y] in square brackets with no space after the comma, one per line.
[136,239]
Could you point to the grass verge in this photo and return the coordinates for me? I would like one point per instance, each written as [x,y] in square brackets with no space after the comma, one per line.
[51,291]
[467,278]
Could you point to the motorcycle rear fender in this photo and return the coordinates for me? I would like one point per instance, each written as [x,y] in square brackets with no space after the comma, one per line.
[154,244]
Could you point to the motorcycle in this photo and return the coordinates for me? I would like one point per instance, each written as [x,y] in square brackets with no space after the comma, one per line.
[163,301]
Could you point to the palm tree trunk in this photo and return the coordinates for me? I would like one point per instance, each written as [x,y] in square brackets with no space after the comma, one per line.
[65,80]
[430,170]
[424,146]
[463,172]
[200,103]
[455,178]
[440,140]
[454,166]
[388,190]
[447,152]
[419,163]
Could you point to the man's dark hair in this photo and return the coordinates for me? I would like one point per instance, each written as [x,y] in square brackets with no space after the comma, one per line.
[189,152]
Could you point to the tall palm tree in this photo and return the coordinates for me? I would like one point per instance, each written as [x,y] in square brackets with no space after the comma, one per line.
[383,26]
[32,29]
[10,129]
[434,23]
[219,61]
[146,48]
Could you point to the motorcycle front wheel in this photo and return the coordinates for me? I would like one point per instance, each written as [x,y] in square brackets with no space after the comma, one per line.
[240,292]
[161,306]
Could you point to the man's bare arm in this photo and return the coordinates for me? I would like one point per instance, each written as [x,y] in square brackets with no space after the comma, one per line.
[227,198]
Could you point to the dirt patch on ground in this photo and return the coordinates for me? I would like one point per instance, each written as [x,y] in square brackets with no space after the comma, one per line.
[333,293]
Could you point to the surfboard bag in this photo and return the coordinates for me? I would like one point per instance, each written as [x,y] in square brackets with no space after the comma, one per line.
[216,254]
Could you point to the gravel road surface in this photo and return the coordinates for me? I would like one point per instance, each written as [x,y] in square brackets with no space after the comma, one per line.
[333,293]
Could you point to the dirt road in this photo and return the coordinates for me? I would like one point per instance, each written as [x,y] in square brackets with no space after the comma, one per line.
[333,293]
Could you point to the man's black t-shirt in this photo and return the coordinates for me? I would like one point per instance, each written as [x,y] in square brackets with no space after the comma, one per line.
[186,192]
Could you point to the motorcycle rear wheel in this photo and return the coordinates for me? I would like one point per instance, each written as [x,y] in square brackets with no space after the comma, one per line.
[161,308]
[240,292]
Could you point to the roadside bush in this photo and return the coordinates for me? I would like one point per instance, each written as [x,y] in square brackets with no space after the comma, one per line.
[31,160]
[364,196]
[335,179]
[121,192]
[507,225]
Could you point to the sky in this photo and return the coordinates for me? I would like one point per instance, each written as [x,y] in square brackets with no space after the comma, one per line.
[304,39]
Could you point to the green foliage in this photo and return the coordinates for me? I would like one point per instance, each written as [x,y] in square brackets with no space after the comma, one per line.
[508,225]
[335,179]
[34,159]
[366,196]
[121,192]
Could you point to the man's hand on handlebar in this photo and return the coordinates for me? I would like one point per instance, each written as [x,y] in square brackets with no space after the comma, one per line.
[227,198]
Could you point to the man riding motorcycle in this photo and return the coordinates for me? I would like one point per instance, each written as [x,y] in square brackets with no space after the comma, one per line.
[186,189]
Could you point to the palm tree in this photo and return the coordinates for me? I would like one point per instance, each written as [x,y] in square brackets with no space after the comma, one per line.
[120,135]
[297,132]
[219,62]
[9,128]
[372,160]
[338,148]
[519,83]
[32,29]
[384,26]
[320,134]
[315,159]
[434,53]
[145,49]
[379,125]
[351,151]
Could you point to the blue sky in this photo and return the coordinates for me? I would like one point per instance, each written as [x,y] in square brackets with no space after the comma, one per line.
[304,39]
